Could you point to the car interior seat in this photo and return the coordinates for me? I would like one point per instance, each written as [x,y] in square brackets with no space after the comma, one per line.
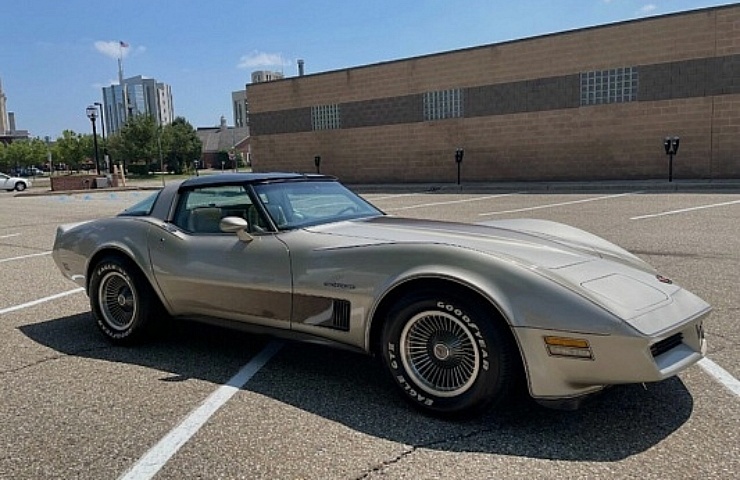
[205,220]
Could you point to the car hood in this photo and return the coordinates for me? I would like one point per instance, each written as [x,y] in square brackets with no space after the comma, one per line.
[597,269]
[534,243]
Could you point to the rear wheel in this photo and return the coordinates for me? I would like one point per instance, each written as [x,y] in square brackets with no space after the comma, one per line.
[448,354]
[122,301]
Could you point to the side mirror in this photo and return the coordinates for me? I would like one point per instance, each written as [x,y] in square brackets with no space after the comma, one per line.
[236,225]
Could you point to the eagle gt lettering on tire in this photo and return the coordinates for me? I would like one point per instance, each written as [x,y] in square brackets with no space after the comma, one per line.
[449,355]
[122,301]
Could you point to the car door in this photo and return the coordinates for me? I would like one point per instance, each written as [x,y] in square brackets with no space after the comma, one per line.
[4,182]
[202,271]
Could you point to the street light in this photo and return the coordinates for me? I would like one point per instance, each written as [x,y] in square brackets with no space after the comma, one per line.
[105,145]
[92,114]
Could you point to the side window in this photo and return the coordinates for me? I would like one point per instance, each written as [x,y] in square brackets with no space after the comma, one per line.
[201,209]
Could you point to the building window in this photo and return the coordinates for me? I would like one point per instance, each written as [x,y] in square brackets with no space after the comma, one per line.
[617,85]
[443,104]
[325,117]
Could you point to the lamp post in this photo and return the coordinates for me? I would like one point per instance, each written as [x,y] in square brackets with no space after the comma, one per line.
[92,114]
[105,144]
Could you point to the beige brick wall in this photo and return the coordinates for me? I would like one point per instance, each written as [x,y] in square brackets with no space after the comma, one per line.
[615,141]
[606,142]
[678,37]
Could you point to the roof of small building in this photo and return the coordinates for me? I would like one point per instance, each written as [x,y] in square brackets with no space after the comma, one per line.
[217,139]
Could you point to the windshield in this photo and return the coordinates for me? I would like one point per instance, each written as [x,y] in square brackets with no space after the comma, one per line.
[301,204]
[142,208]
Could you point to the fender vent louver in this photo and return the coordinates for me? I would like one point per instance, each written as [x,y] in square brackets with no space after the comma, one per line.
[340,315]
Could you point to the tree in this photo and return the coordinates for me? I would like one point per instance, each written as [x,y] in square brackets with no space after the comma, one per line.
[181,145]
[22,154]
[137,141]
[73,149]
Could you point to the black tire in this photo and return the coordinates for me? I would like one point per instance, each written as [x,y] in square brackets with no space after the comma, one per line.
[20,186]
[122,301]
[448,354]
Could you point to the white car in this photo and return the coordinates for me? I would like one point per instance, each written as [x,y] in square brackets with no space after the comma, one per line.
[13,183]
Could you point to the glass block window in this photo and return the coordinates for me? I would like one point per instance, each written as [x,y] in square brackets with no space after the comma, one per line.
[443,104]
[325,117]
[609,86]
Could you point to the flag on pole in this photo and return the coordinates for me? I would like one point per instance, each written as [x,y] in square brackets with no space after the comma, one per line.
[123,44]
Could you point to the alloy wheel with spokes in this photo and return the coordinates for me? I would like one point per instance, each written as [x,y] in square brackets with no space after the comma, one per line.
[450,355]
[122,300]
[440,353]
[117,300]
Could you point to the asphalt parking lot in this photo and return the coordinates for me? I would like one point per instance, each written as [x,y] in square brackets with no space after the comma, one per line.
[74,406]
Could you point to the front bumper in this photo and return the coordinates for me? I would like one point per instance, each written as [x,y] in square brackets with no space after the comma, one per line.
[615,359]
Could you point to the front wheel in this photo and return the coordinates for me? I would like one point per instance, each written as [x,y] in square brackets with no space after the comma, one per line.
[449,355]
[122,301]
[20,186]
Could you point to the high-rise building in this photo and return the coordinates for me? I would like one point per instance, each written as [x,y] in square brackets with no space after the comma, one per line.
[144,96]
[239,106]
[259,76]
[3,111]
[8,132]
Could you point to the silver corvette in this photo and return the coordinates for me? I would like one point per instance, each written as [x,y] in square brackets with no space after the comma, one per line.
[461,314]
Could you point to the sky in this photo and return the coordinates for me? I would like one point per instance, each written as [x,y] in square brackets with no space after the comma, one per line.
[55,56]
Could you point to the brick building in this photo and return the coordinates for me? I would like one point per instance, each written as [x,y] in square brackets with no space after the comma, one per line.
[588,104]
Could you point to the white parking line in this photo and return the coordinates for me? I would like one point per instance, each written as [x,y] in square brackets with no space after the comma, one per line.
[153,460]
[721,375]
[398,195]
[684,210]
[450,202]
[40,300]
[552,205]
[10,235]
[30,255]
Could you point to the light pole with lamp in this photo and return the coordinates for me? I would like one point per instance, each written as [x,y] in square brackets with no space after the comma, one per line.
[105,144]
[92,114]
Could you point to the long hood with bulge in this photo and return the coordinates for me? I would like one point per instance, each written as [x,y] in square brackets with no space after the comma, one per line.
[597,269]
[534,243]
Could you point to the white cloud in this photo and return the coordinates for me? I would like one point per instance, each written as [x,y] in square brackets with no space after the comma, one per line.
[261,59]
[112,49]
[649,8]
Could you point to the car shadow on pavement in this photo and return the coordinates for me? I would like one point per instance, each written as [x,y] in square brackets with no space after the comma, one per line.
[355,391]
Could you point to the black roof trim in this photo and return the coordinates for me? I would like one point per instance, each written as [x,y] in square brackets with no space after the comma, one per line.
[252,178]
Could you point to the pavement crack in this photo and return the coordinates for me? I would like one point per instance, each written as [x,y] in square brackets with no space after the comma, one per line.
[388,463]
[413,448]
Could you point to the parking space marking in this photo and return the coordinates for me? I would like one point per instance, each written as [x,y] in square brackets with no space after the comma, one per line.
[22,257]
[721,375]
[40,300]
[450,202]
[10,235]
[398,195]
[685,210]
[561,204]
[153,460]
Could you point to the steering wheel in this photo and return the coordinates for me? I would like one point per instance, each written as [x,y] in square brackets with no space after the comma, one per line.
[347,209]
